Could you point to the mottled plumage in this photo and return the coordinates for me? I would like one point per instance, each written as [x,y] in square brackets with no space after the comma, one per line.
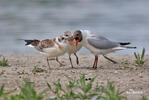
[71,47]
[52,47]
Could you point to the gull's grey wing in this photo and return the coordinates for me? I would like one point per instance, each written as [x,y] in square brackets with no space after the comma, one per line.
[101,42]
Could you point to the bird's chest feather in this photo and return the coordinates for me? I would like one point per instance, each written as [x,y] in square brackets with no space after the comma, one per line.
[56,50]
[72,48]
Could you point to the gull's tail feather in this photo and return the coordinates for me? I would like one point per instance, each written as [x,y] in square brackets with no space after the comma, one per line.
[32,43]
[129,47]
[124,43]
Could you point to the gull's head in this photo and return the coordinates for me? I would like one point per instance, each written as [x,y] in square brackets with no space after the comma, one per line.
[77,35]
[67,34]
[61,38]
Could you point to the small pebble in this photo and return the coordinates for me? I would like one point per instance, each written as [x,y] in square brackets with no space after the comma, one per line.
[53,97]
[116,72]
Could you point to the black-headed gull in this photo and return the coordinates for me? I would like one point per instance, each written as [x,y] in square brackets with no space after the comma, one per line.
[98,45]
[52,47]
[72,48]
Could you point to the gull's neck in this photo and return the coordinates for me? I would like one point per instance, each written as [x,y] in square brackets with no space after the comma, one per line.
[85,34]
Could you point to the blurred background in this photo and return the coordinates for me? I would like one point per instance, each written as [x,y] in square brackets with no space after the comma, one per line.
[119,20]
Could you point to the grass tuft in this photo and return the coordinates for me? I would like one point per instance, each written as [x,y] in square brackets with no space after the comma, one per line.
[112,94]
[140,58]
[3,94]
[27,92]
[38,70]
[2,72]
[144,98]
[75,89]
[83,90]
[22,73]
[4,62]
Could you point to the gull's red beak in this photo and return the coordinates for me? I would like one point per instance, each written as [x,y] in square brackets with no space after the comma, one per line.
[77,42]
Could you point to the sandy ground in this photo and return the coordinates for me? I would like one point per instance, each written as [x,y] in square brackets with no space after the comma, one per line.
[126,75]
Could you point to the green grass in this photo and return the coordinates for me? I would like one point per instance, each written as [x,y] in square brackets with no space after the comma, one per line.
[144,98]
[2,92]
[27,92]
[38,70]
[111,93]
[74,89]
[83,90]
[4,62]
[2,72]
[140,57]
[22,73]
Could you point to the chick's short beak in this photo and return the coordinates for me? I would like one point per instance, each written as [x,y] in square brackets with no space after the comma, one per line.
[69,39]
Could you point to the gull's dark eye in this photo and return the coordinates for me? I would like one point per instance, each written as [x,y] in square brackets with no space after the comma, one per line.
[77,38]
[62,38]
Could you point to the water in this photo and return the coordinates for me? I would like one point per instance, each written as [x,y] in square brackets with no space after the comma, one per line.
[120,20]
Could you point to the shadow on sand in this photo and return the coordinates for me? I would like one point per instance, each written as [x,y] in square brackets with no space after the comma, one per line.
[75,68]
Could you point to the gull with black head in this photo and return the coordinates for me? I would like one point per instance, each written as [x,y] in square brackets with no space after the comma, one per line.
[98,45]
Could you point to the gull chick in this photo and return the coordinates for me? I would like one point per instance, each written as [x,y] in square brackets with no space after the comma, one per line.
[71,47]
[52,47]
[98,45]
